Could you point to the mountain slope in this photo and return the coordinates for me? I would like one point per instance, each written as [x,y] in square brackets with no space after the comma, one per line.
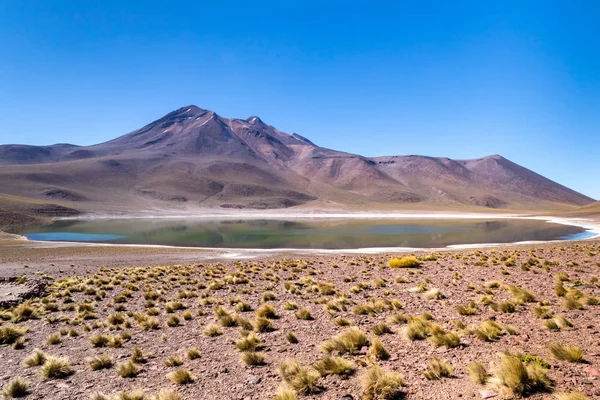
[590,210]
[193,157]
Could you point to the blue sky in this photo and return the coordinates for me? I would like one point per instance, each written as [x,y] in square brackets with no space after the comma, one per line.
[460,79]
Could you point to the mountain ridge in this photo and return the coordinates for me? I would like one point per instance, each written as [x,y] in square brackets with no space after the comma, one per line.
[193,157]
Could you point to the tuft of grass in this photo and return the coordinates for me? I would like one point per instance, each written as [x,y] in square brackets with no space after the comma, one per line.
[98,396]
[16,387]
[329,365]
[381,329]
[212,330]
[404,262]
[19,344]
[263,325]
[488,331]
[35,359]
[165,394]
[514,378]
[243,307]
[11,333]
[347,341]
[420,327]
[99,340]
[285,393]
[571,303]
[53,339]
[251,342]
[298,377]
[520,295]
[507,307]
[566,353]
[562,322]
[304,314]
[181,377]
[56,368]
[137,356]
[253,358]
[378,351]
[266,310]
[470,309]
[193,353]
[343,322]
[380,384]
[103,361]
[433,294]
[173,361]
[543,312]
[24,312]
[135,395]
[449,339]
[173,321]
[291,338]
[438,369]
[127,370]
[478,373]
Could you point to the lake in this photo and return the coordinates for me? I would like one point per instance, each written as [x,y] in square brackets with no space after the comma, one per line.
[318,233]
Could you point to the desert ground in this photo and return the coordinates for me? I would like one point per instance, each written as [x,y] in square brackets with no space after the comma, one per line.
[133,322]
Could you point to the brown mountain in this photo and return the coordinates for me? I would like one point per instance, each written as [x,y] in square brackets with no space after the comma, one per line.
[195,158]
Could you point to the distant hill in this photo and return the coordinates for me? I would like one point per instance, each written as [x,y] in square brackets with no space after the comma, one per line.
[589,210]
[193,158]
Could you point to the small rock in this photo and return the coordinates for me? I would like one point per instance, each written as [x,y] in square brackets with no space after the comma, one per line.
[592,372]
[486,394]
[224,370]
[347,397]
[254,380]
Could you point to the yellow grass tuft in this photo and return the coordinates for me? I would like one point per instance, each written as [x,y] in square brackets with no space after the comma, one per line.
[380,384]
[404,262]
[566,353]
[301,379]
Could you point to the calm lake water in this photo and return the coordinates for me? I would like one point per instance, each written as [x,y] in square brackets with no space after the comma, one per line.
[303,234]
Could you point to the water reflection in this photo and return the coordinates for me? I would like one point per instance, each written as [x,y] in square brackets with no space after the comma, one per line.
[316,233]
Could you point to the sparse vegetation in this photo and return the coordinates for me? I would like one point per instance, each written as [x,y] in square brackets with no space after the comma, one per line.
[181,377]
[56,368]
[127,370]
[438,369]
[103,361]
[348,341]
[253,358]
[380,384]
[302,379]
[478,373]
[404,262]
[514,378]
[566,353]
[15,388]
[105,312]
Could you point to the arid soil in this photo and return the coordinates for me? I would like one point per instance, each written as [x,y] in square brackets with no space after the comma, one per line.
[133,307]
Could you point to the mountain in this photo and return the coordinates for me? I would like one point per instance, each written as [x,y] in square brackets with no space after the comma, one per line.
[193,158]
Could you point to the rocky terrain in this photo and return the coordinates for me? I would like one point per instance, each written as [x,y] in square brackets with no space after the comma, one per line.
[491,323]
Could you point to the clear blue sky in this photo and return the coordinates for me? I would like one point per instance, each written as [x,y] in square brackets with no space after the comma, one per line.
[462,79]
